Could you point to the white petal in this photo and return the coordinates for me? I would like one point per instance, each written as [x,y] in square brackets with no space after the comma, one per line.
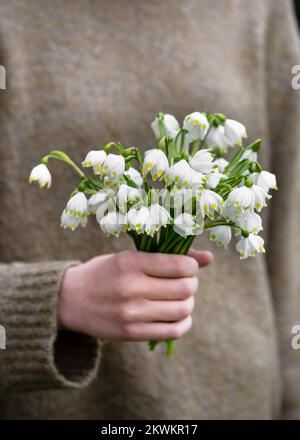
[221,235]
[41,174]
[234,131]
[94,158]
[78,205]
[197,125]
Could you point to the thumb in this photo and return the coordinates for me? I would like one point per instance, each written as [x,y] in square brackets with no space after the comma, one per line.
[203,258]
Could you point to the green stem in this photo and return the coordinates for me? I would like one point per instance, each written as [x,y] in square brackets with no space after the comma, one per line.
[149,244]
[175,245]
[204,139]
[90,191]
[143,243]
[153,344]
[135,238]
[93,183]
[170,347]
[170,243]
[225,223]
[161,124]
[63,157]
[240,167]
[118,146]
[186,245]
[195,148]
[162,236]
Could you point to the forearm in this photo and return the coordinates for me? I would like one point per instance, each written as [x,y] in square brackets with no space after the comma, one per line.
[36,355]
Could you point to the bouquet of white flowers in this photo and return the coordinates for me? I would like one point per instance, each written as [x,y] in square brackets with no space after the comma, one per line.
[173,192]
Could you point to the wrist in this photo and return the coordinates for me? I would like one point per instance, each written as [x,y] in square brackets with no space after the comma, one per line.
[67,300]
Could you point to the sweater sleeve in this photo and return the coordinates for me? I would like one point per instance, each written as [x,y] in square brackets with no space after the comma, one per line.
[36,354]
[284,246]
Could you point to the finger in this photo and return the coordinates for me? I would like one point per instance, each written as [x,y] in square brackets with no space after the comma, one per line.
[157,330]
[203,258]
[163,288]
[158,311]
[166,265]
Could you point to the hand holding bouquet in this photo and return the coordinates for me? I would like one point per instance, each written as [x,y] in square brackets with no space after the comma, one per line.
[173,192]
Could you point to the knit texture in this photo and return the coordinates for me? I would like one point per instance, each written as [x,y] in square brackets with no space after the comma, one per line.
[81,73]
[36,355]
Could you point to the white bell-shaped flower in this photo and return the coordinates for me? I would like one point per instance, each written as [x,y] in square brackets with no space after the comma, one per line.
[199,179]
[234,131]
[250,246]
[155,162]
[241,198]
[182,141]
[131,215]
[213,179]
[246,197]
[216,137]
[197,125]
[170,126]
[135,176]
[125,195]
[103,209]
[97,200]
[221,164]
[181,200]
[113,223]
[179,174]
[260,197]
[202,161]
[250,221]
[40,174]
[185,224]
[68,220]
[249,154]
[230,212]
[94,158]
[78,205]
[221,235]
[265,180]
[113,167]
[159,216]
[141,221]
[209,202]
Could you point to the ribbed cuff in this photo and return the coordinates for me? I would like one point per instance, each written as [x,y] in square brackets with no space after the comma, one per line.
[291,396]
[37,356]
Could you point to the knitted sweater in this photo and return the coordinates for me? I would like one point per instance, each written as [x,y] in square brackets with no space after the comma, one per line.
[81,73]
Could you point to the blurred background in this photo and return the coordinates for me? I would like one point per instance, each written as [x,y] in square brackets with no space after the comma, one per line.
[297,7]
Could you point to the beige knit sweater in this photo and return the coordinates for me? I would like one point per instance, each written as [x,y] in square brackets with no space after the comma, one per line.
[83,72]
